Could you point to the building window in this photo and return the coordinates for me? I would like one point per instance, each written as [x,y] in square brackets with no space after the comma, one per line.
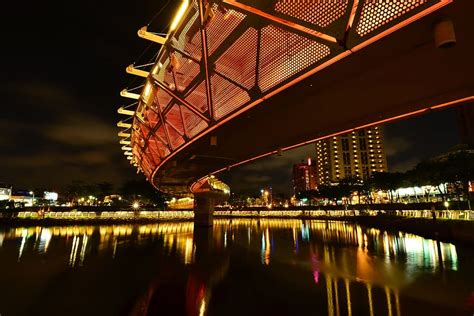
[364,158]
[347,171]
[362,144]
[345,144]
[366,172]
[346,157]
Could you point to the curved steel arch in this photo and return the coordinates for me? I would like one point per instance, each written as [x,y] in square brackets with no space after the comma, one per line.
[226,57]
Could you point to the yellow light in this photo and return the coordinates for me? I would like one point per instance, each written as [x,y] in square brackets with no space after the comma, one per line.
[136,205]
[147,90]
[179,15]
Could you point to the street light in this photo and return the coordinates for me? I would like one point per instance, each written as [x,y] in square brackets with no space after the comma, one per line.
[136,205]
[446,204]
[33,198]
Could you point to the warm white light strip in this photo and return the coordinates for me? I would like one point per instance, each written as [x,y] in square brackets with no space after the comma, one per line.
[179,14]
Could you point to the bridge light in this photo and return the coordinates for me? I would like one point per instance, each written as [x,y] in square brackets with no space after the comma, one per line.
[147,90]
[137,72]
[213,141]
[156,68]
[124,111]
[125,142]
[143,33]
[123,134]
[124,93]
[123,124]
[179,14]
[444,35]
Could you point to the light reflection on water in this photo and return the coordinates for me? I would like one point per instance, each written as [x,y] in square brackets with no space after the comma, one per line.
[347,261]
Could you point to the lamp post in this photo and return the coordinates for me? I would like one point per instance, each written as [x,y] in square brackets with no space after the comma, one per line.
[446,204]
[33,197]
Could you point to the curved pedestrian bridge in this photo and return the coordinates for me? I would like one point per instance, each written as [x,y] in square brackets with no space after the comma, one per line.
[239,80]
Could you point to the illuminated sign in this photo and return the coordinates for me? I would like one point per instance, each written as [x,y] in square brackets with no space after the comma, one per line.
[52,196]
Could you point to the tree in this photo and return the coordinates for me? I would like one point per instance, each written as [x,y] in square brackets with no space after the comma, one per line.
[143,190]
[386,181]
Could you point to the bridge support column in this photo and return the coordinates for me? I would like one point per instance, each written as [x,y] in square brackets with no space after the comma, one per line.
[204,203]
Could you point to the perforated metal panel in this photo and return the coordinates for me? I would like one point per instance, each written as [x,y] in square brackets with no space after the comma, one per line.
[284,54]
[227,96]
[198,97]
[376,13]
[220,26]
[238,63]
[318,12]
[192,123]
[185,71]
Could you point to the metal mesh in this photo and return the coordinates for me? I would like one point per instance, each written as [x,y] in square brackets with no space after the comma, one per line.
[284,54]
[220,26]
[175,138]
[193,123]
[318,12]
[227,97]
[376,13]
[185,71]
[198,97]
[238,63]
[173,117]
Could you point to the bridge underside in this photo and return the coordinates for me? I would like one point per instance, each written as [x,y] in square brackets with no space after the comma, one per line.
[396,75]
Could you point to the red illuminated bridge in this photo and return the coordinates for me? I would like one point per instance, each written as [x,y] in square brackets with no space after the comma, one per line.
[238,80]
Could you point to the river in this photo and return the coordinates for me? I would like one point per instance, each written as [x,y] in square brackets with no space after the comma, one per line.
[238,267]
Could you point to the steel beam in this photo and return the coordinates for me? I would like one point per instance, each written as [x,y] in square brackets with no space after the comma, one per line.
[136,72]
[143,33]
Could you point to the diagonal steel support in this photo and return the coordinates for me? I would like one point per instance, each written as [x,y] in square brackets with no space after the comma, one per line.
[205,57]
[181,100]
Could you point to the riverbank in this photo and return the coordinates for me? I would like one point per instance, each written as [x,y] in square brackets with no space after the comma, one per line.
[454,231]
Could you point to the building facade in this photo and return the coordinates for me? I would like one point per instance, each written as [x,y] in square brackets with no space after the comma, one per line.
[304,176]
[357,154]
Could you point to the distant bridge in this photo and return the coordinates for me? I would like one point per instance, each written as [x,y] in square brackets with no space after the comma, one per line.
[236,80]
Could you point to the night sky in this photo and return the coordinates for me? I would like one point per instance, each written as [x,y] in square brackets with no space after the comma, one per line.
[63,68]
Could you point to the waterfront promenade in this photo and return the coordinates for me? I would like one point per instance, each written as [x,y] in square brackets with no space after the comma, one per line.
[448,225]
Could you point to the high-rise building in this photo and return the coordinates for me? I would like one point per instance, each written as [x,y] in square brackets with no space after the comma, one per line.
[356,154]
[304,176]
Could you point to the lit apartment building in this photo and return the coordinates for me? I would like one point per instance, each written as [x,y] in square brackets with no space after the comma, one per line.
[358,154]
[304,176]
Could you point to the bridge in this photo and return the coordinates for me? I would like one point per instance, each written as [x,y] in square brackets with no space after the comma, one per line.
[237,80]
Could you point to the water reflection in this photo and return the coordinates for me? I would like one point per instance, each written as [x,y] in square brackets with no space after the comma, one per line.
[352,270]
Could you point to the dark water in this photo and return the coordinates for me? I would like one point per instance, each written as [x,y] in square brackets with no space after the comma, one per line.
[239,267]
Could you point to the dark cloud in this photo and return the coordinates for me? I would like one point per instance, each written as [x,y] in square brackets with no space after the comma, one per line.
[82,130]
[396,145]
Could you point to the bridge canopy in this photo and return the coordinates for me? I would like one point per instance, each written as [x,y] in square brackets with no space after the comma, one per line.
[219,69]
